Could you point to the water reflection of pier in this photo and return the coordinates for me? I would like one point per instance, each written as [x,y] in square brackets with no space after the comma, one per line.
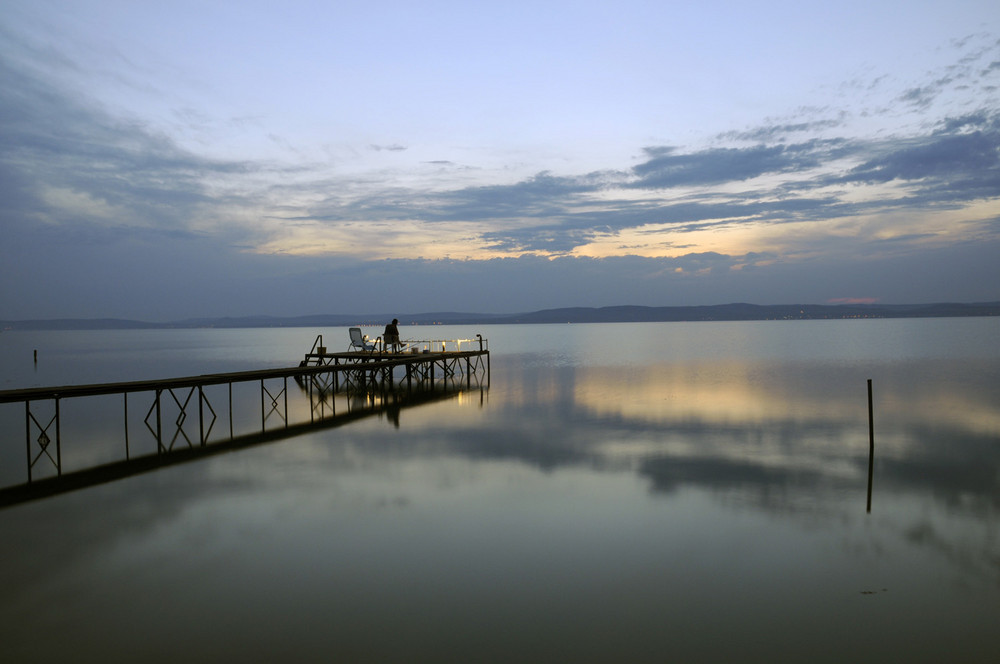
[178,419]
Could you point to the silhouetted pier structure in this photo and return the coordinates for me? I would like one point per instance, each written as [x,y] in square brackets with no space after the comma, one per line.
[421,360]
[178,419]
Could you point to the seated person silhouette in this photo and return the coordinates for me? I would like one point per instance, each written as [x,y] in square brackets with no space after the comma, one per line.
[390,338]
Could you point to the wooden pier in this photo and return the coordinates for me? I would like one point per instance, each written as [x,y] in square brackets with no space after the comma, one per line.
[420,360]
[168,421]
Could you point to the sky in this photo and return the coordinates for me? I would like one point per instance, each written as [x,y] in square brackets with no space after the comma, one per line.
[160,161]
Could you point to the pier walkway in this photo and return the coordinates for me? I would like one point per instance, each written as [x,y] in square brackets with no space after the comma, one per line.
[167,421]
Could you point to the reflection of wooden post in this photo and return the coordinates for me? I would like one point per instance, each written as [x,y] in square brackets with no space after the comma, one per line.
[871,444]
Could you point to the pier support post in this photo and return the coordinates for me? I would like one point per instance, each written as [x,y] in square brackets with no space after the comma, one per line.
[159,425]
[27,436]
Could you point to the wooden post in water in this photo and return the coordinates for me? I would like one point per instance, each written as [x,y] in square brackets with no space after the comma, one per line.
[871,444]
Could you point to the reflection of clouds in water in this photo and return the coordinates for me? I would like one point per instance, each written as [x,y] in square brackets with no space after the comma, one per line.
[786,439]
[55,535]
[785,429]
[970,550]
[644,495]
[560,477]
[958,542]
[749,393]
[797,416]
[792,439]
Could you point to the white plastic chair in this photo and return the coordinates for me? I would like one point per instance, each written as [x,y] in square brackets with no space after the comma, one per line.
[360,341]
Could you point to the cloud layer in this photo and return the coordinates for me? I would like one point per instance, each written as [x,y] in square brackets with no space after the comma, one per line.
[893,196]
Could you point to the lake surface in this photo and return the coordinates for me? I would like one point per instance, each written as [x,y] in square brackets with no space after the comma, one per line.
[620,492]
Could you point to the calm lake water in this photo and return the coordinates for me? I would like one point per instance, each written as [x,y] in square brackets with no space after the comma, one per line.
[620,492]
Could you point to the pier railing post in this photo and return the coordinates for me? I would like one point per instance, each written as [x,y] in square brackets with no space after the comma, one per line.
[159,427]
[58,441]
[201,417]
[127,455]
[27,436]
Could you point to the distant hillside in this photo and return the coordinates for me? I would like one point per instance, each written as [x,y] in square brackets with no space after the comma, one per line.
[742,311]
[617,314]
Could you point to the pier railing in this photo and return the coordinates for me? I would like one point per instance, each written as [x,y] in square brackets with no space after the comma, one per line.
[161,418]
[411,346]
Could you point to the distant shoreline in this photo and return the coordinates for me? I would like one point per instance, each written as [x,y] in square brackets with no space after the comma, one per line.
[615,314]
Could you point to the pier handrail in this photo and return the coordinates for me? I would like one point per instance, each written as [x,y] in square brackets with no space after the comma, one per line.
[202,380]
[428,345]
[318,343]
[432,343]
